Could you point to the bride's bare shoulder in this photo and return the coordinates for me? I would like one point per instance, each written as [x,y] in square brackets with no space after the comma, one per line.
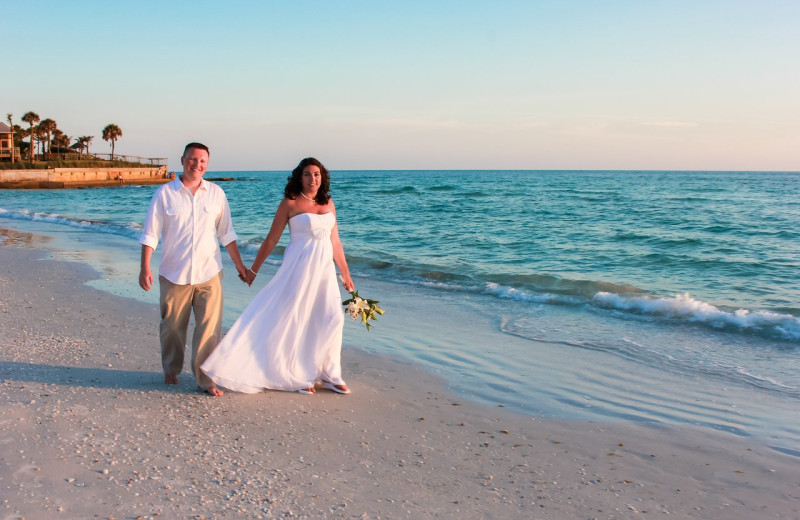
[287,208]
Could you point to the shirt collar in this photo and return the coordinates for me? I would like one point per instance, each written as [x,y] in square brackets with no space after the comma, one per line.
[178,185]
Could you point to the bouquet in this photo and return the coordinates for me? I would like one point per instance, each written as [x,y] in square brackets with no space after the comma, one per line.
[364,308]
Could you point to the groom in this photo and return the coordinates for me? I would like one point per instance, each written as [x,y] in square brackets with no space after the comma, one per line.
[189,215]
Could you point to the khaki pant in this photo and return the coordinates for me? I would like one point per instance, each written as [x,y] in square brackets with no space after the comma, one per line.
[177,304]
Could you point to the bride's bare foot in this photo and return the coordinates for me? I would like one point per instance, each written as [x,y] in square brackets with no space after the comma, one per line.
[339,389]
[308,391]
[170,379]
[213,390]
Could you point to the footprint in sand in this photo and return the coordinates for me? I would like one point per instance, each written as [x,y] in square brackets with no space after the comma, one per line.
[28,470]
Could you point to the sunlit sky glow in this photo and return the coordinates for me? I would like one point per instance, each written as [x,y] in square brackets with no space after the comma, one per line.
[671,84]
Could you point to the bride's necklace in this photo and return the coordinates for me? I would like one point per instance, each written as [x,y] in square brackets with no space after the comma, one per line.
[307,197]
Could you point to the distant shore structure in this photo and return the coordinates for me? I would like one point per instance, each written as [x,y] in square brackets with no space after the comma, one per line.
[6,143]
[48,161]
[57,178]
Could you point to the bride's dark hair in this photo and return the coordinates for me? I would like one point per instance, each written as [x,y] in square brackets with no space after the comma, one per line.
[295,185]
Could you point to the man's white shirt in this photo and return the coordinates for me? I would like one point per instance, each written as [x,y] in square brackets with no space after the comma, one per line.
[191,227]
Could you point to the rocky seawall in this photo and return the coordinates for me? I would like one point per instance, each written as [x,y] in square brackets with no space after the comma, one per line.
[56,178]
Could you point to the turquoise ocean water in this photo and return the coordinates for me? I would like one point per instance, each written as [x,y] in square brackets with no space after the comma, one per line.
[665,297]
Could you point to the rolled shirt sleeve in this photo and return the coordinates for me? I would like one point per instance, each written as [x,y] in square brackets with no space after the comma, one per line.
[225,231]
[190,229]
[153,223]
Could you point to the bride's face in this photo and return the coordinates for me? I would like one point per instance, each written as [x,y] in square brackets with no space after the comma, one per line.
[312,178]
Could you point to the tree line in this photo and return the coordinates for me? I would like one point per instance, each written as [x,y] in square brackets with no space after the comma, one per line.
[49,137]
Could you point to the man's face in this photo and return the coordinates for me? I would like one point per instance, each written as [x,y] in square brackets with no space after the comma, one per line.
[195,162]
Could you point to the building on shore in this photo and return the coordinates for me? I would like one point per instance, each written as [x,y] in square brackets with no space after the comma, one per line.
[6,143]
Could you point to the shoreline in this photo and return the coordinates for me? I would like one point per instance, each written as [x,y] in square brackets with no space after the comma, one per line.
[90,430]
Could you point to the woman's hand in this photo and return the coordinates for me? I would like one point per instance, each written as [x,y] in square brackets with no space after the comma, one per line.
[347,283]
[250,277]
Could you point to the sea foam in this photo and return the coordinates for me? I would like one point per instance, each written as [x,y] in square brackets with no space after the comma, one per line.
[132,229]
[683,306]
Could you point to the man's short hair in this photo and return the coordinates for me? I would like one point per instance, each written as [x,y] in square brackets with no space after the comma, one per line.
[199,146]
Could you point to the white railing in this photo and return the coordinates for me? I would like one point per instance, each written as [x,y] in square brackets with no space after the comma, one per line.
[153,161]
[5,154]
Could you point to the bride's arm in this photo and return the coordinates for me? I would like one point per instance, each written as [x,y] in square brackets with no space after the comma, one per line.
[338,256]
[275,231]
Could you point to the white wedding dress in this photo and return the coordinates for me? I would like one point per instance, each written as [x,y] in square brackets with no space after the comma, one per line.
[290,336]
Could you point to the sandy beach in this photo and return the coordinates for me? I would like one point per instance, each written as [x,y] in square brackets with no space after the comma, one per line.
[89,430]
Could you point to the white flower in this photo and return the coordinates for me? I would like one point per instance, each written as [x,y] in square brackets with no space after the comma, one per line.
[363,308]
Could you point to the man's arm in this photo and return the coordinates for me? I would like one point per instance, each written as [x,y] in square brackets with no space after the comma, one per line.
[145,274]
[233,251]
[228,237]
[149,239]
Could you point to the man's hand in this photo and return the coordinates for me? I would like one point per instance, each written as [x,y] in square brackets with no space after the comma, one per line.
[145,274]
[146,279]
[242,270]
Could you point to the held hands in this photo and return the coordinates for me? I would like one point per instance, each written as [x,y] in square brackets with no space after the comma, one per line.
[247,275]
[242,271]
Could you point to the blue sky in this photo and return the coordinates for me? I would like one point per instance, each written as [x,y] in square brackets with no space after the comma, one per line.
[671,84]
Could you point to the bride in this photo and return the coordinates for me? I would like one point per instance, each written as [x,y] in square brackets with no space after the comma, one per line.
[290,336]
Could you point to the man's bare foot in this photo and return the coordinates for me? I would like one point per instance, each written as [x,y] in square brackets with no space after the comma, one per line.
[213,390]
[170,379]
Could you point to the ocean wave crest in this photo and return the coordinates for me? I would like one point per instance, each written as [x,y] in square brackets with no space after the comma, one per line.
[444,187]
[683,306]
[512,293]
[132,229]
[546,283]
[405,190]
[771,325]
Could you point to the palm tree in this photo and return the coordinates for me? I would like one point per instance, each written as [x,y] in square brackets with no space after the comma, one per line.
[31,118]
[21,134]
[60,140]
[39,139]
[48,126]
[111,133]
[10,119]
[78,145]
[82,142]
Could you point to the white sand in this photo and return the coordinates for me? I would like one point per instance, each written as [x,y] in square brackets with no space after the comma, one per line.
[89,430]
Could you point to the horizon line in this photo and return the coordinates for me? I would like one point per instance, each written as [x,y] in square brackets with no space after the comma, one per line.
[517,170]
